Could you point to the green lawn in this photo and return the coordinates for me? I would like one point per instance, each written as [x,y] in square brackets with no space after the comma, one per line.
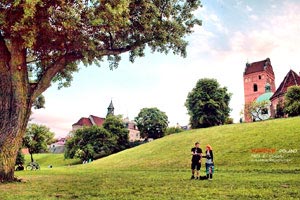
[160,169]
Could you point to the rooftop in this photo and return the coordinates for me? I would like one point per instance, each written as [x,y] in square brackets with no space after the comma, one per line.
[264,65]
[292,78]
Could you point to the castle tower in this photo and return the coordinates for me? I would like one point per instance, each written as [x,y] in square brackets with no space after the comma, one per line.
[110,109]
[256,76]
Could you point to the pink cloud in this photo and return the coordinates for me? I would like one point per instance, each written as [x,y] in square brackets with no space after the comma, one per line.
[60,125]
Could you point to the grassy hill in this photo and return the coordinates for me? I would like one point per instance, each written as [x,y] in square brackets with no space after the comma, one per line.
[253,161]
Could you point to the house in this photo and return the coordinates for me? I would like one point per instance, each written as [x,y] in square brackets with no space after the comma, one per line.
[58,146]
[88,121]
[134,133]
[291,79]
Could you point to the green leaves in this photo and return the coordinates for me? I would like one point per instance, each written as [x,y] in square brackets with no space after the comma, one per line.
[116,127]
[37,138]
[254,110]
[89,143]
[292,101]
[94,142]
[152,123]
[86,31]
[208,104]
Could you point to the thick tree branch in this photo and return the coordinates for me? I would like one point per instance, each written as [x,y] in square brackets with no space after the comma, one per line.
[51,71]
[45,80]
[4,54]
[116,51]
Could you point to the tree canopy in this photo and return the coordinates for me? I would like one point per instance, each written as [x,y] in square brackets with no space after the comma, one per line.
[208,104]
[152,123]
[37,138]
[292,101]
[90,143]
[116,127]
[43,41]
[54,35]
[256,110]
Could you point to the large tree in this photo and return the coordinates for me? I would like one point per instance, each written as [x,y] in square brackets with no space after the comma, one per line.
[37,139]
[292,101]
[47,39]
[115,125]
[208,104]
[90,143]
[152,123]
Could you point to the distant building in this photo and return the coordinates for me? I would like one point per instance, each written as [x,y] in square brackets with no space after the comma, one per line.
[259,85]
[58,146]
[291,79]
[88,121]
[265,112]
[257,76]
[110,109]
[134,133]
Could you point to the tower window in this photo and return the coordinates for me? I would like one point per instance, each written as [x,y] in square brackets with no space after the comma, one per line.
[259,77]
[255,87]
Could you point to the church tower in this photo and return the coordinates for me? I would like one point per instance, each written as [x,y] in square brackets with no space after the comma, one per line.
[110,109]
[256,76]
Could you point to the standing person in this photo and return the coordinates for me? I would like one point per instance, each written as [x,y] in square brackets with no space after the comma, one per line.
[196,160]
[209,164]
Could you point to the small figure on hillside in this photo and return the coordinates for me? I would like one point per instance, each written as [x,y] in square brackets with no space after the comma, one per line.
[20,167]
[209,164]
[196,160]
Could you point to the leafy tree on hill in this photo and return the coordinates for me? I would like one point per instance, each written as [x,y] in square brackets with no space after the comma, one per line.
[292,101]
[254,110]
[208,104]
[152,123]
[37,138]
[115,125]
[171,130]
[89,143]
[44,41]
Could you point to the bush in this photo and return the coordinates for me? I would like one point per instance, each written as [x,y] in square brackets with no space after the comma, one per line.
[229,120]
[171,130]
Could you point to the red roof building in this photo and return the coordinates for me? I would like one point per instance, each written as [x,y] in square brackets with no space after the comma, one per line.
[257,76]
[134,133]
[90,121]
[291,79]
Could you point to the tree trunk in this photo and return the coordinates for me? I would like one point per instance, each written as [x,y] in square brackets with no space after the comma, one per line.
[31,157]
[15,105]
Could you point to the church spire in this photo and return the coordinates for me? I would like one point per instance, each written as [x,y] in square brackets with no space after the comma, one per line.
[110,109]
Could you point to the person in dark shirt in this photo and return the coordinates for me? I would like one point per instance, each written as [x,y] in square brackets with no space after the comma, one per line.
[196,160]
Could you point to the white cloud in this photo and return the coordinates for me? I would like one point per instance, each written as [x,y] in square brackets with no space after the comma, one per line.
[254,17]
[249,9]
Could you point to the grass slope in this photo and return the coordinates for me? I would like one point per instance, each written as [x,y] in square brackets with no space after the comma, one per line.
[160,169]
[55,160]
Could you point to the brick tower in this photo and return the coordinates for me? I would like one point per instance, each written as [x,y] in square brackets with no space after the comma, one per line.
[256,76]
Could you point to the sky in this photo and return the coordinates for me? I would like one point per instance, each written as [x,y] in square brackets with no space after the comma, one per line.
[233,33]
